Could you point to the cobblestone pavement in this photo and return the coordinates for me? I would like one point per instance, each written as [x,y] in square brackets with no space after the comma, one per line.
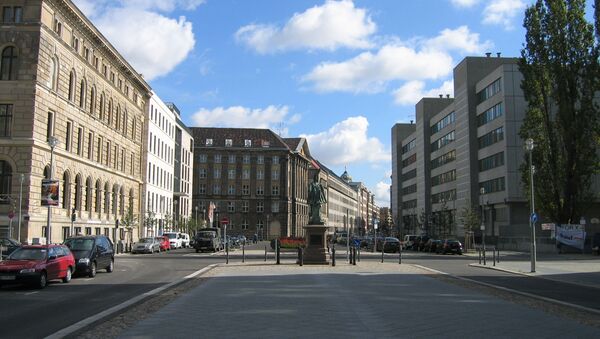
[373,300]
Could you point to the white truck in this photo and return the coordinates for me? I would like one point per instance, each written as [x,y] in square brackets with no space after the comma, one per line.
[175,239]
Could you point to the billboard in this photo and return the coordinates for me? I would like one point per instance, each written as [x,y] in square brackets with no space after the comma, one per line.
[50,192]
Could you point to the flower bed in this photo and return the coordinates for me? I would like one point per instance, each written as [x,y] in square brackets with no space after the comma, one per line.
[289,242]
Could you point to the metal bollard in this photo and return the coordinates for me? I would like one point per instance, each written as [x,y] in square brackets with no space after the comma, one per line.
[400,255]
[244,251]
[382,252]
[300,256]
[358,253]
[277,249]
[494,257]
[333,256]
[498,256]
[227,253]
[479,254]
[484,259]
[265,253]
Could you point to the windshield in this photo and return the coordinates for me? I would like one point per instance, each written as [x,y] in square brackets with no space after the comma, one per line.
[206,235]
[147,240]
[171,235]
[80,244]
[29,254]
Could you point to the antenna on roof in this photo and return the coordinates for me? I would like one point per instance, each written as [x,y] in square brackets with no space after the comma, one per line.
[280,128]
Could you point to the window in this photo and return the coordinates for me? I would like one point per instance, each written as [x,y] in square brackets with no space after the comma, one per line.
[275,190]
[265,143]
[93,101]
[275,160]
[410,145]
[8,64]
[491,137]
[494,185]
[245,189]
[445,121]
[202,173]
[247,143]
[12,14]
[231,159]
[260,206]
[245,206]
[217,158]
[275,174]
[409,175]
[260,190]
[244,224]
[216,189]
[104,70]
[275,207]
[228,142]
[53,70]
[68,136]
[449,195]
[443,141]
[50,125]
[260,159]
[409,204]
[57,27]
[489,91]
[231,190]
[443,178]
[231,174]
[492,161]
[202,158]
[5,181]
[217,173]
[246,159]
[411,159]
[409,189]
[90,146]
[246,173]
[443,159]
[75,43]
[489,115]
[231,206]
[202,188]
[6,120]
[260,173]
[71,94]
[82,93]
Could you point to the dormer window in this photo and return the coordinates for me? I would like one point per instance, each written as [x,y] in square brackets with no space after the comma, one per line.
[209,142]
[75,44]
[265,143]
[57,27]
[228,142]
[247,143]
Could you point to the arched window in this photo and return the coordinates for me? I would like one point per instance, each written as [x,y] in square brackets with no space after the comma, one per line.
[53,77]
[88,194]
[5,180]
[66,190]
[130,200]
[118,118]
[125,119]
[101,111]
[110,109]
[115,197]
[106,198]
[93,101]
[8,65]
[72,79]
[78,192]
[98,200]
[122,202]
[82,91]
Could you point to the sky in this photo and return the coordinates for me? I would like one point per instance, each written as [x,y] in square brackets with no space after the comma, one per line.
[339,73]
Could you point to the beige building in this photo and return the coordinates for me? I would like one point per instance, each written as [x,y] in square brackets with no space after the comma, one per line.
[59,77]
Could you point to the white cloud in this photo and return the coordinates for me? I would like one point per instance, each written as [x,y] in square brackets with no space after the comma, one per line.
[382,194]
[347,142]
[333,25]
[243,117]
[465,3]
[503,12]
[411,92]
[371,72]
[154,44]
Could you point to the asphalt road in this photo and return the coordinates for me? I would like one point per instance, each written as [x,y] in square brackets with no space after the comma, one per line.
[27,312]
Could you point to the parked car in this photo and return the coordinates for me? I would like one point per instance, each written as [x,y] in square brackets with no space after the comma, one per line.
[174,239]
[37,264]
[408,241]
[146,245]
[164,243]
[92,252]
[419,242]
[185,240]
[450,246]
[431,245]
[388,244]
[365,241]
[7,246]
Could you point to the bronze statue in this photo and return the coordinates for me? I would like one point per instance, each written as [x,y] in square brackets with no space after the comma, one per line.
[316,198]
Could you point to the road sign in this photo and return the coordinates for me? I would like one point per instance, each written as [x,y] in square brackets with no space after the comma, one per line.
[548,227]
[534,217]
[224,220]
[356,242]
[11,215]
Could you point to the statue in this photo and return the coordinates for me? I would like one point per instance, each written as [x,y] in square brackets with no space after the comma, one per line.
[316,198]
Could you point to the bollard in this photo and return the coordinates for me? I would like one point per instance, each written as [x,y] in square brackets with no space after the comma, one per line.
[265,253]
[299,255]
[494,257]
[227,253]
[355,250]
[358,253]
[382,252]
[277,253]
[498,256]
[244,251]
[484,259]
[400,255]
[333,256]
[479,254]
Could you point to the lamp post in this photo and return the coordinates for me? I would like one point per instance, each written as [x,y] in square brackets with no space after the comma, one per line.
[20,206]
[529,145]
[175,215]
[481,193]
[53,142]
[196,216]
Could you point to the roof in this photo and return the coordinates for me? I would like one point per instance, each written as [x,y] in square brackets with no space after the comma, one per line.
[259,137]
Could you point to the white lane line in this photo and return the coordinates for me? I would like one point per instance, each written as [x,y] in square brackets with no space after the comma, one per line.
[30,293]
[87,321]
[510,290]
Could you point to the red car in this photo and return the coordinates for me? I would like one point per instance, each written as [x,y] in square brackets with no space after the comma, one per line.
[38,264]
[165,244]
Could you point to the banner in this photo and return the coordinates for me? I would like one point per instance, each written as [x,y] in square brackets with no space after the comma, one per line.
[211,208]
[572,235]
[50,192]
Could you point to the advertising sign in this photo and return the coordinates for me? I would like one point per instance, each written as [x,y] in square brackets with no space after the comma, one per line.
[572,235]
[50,191]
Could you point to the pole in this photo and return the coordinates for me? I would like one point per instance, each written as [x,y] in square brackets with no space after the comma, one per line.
[52,141]
[10,227]
[20,207]
[268,228]
[348,238]
[531,223]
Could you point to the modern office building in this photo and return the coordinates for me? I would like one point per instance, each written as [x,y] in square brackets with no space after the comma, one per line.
[183,166]
[255,178]
[62,81]
[462,154]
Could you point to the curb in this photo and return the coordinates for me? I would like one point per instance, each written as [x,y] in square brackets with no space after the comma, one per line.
[510,290]
[117,308]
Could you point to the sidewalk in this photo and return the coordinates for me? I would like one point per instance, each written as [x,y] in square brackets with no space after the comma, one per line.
[579,269]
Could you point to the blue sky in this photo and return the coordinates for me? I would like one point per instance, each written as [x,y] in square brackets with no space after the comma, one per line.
[340,73]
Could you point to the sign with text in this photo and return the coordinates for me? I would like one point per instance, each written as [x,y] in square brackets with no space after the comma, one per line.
[548,227]
[50,191]
[572,235]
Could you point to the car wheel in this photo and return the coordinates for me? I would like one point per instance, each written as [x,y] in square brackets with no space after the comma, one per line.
[92,270]
[111,266]
[67,278]
[197,250]
[42,282]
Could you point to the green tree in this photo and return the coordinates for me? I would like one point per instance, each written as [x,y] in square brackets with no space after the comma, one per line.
[470,218]
[559,63]
[129,222]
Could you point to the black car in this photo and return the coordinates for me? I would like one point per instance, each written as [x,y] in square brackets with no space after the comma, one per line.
[91,253]
[7,246]
[419,243]
[388,244]
[431,245]
[450,246]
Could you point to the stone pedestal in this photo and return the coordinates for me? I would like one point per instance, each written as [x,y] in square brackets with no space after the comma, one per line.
[316,245]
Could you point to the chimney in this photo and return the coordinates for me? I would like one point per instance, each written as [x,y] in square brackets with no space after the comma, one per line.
[411,122]
[498,54]
[488,54]
[441,96]
[448,96]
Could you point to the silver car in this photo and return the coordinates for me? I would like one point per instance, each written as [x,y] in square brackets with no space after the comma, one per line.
[146,245]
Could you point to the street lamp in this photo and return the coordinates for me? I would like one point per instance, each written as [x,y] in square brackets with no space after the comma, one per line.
[175,215]
[481,193]
[20,204]
[196,211]
[529,145]
[53,142]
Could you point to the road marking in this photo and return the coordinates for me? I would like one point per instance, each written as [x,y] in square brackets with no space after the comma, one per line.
[510,290]
[90,320]
[30,293]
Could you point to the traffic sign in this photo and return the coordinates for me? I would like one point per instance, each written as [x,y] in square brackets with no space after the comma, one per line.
[356,242]
[534,217]
[224,220]
[11,215]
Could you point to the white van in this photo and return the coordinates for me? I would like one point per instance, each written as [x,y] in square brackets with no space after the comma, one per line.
[174,239]
[407,243]
[185,240]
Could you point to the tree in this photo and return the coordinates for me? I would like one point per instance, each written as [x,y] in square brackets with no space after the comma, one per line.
[470,218]
[129,222]
[560,68]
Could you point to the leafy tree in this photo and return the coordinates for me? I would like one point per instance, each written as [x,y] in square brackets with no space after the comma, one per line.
[470,218]
[129,222]
[560,68]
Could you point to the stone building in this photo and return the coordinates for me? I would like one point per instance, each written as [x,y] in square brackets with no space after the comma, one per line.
[255,178]
[60,78]
[183,166]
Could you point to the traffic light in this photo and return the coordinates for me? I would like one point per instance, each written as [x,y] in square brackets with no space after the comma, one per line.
[73,215]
